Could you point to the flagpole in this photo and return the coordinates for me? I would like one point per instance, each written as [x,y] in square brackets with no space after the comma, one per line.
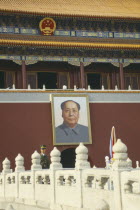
[115,140]
[112,141]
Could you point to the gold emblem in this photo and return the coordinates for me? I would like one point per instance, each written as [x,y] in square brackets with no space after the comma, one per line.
[47,26]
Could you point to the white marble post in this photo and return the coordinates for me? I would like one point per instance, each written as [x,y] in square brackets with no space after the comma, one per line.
[36,161]
[44,88]
[55,159]
[13,86]
[75,88]
[103,87]
[64,87]
[120,156]
[19,162]
[119,164]
[29,87]
[82,157]
[107,162]
[129,163]
[89,87]
[6,166]
[137,165]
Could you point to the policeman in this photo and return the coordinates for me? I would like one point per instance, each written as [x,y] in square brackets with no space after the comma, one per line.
[44,159]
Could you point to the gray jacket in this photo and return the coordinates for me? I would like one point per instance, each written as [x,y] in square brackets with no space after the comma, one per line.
[65,134]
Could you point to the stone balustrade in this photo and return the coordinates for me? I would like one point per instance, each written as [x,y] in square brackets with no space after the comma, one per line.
[115,187]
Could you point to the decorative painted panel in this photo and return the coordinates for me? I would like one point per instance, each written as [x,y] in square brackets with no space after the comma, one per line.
[77,33]
[62,58]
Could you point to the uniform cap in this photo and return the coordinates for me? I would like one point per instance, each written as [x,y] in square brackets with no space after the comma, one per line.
[43,146]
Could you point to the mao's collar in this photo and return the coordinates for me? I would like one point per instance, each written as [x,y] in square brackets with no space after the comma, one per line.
[67,129]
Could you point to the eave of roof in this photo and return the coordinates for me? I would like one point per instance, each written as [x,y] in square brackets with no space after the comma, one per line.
[68,39]
[91,8]
[69,44]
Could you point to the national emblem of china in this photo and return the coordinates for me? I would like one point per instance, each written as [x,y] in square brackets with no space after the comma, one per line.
[47,26]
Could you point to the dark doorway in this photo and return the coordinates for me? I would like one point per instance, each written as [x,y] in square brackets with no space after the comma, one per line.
[2,79]
[68,157]
[49,79]
[94,80]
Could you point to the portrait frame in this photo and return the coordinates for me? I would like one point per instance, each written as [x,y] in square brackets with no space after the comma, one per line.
[83,120]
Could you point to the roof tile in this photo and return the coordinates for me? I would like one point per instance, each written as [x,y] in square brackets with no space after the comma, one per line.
[102,8]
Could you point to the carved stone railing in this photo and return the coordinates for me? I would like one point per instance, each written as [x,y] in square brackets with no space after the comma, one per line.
[112,187]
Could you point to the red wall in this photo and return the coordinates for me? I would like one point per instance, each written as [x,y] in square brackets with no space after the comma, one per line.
[24,127]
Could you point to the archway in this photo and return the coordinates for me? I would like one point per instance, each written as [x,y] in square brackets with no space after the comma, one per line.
[68,157]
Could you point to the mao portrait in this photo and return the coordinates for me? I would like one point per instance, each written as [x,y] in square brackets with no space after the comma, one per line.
[71,122]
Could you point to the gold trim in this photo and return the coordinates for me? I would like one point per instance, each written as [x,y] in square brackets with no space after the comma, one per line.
[53,117]
[70,44]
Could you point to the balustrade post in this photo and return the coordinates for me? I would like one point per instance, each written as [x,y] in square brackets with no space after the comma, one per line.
[55,159]
[82,157]
[6,170]
[107,162]
[137,165]
[119,164]
[35,167]
[55,165]
[80,164]
[36,161]
[6,166]
[129,163]
[19,162]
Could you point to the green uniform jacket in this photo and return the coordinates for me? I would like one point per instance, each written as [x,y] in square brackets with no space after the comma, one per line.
[44,161]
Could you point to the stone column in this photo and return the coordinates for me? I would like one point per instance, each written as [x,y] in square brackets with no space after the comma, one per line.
[23,70]
[82,76]
[121,77]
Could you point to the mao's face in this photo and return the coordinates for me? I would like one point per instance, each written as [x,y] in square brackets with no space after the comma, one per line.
[70,114]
